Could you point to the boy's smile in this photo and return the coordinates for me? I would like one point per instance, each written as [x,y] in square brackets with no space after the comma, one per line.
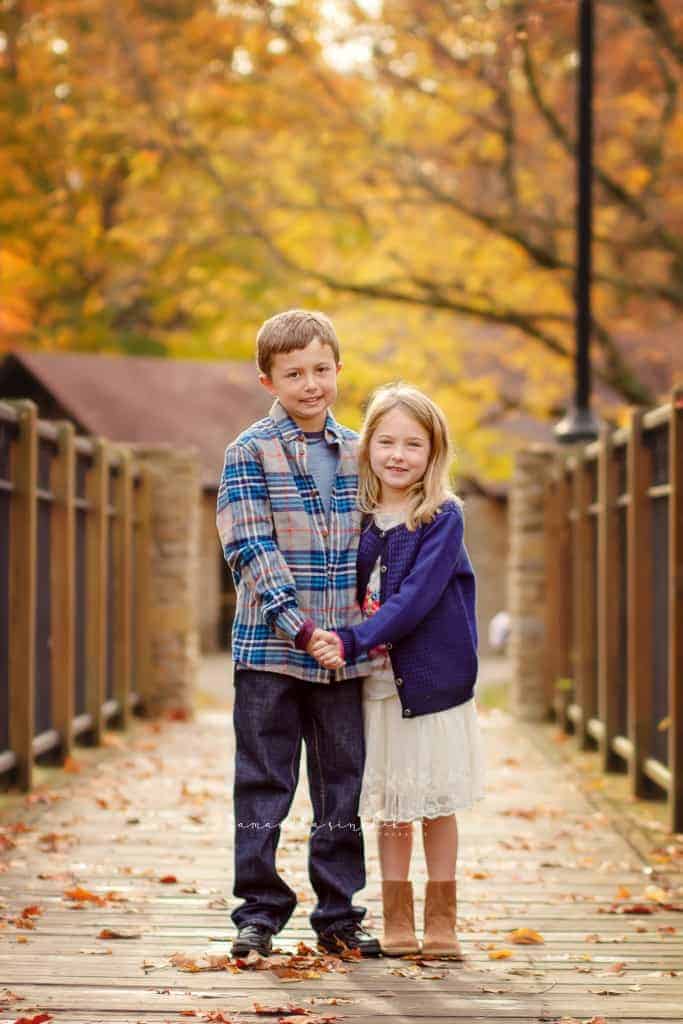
[305,381]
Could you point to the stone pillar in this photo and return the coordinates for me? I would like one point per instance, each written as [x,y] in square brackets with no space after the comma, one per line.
[174,576]
[526,583]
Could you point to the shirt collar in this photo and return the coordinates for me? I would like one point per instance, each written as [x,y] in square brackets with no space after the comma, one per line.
[290,431]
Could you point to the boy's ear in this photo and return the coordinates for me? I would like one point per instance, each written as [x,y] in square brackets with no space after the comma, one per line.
[339,367]
[267,383]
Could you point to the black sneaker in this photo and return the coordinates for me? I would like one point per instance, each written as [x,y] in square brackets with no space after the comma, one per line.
[348,935]
[253,936]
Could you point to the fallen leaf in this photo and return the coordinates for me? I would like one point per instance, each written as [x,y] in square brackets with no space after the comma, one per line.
[108,933]
[71,765]
[81,895]
[277,1010]
[38,1019]
[500,954]
[168,879]
[526,937]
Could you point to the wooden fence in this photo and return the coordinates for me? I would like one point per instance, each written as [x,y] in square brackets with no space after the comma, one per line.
[614,631]
[74,589]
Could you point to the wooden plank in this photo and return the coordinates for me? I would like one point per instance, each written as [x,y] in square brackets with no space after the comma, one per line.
[63,582]
[123,540]
[675,739]
[639,601]
[584,602]
[22,592]
[96,587]
[143,584]
[564,667]
[552,529]
[608,601]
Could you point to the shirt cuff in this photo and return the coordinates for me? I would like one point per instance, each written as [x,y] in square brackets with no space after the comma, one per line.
[348,644]
[290,621]
[303,637]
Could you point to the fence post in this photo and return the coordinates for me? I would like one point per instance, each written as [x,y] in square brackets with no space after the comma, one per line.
[123,560]
[584,603]
[608,599]
[63,583]
[639,599]
[96,587]
[143,585]
[22,592]
[676,610]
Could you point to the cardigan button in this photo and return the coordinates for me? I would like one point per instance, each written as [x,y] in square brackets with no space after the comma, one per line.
[399,682]
[383,568]
[389,646]
[407,712]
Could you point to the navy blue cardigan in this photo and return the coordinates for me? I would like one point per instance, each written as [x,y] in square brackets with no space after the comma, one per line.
[427,616]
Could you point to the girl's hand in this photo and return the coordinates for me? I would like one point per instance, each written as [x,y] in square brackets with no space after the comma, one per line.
[326,649]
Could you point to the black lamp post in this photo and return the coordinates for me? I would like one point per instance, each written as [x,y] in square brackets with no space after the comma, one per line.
[580,424]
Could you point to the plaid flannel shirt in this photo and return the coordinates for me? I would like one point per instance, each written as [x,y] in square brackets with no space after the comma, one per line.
[289,562]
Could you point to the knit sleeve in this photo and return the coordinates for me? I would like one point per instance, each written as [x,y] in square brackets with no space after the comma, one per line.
[418,593]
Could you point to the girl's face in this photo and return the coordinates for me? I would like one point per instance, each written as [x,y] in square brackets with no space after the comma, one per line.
[399,452]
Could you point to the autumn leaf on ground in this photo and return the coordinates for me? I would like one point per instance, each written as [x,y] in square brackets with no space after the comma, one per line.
[72,766]
[500,954]
[38,1019]
[168,879]
[526,937]
[109,933]
[276,1010]
[315,1019]
[81,895]
[217,1017]
[623,892]
[33,910]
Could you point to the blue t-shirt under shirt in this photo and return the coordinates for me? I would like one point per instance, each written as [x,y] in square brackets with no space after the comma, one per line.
[322,459]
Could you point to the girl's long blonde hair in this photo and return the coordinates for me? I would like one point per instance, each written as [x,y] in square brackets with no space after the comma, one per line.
[429,493]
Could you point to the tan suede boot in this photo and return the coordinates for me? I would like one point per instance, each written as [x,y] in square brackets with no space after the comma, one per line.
[440,915]
[399,937]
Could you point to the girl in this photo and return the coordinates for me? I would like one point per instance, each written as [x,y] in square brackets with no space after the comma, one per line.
[416,588]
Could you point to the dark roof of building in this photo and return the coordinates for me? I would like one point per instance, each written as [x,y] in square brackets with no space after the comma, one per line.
[138,399]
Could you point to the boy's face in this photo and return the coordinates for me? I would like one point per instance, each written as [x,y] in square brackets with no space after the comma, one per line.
[305,381]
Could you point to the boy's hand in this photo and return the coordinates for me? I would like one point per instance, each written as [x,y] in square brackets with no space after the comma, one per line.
[325,647]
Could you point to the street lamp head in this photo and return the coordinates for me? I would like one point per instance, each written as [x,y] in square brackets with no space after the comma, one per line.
[578,425]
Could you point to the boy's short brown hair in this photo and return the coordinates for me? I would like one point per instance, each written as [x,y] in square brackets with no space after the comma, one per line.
[293,329]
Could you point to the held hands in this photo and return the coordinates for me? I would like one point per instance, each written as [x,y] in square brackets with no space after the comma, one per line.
[325,647]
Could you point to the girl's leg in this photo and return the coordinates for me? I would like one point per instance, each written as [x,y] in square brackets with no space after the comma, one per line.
[440,838]
[395,845]
[441,850]
[395,841]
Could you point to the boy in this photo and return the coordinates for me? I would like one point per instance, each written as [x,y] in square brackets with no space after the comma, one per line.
[289,528]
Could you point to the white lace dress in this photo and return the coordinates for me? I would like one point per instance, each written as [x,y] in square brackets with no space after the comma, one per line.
[422,767]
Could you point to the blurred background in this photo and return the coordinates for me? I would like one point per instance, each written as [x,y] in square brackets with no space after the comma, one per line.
[174,171]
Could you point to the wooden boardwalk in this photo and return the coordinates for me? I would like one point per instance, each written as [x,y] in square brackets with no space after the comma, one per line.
[138,843]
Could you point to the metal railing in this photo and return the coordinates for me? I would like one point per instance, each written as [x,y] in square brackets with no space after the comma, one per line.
[614,630]
[74,588]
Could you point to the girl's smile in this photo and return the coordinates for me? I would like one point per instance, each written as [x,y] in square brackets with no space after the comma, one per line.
[399,453]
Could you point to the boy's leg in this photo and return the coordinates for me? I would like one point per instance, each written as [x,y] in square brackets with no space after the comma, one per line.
[267,753]
[333,731]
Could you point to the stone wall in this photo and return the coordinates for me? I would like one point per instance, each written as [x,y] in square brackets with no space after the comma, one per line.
[210,558]
[486,537]
[174,576]
[526,583]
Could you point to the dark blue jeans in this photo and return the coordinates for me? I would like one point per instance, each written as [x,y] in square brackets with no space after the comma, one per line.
[273,713]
